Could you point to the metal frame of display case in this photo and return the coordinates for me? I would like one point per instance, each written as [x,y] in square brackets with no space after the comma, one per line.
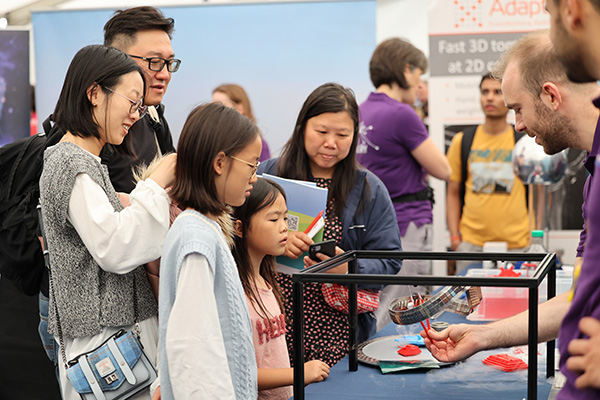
[546,266]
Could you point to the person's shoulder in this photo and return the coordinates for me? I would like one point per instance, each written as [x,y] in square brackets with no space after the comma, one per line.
[268,166]
[363,174]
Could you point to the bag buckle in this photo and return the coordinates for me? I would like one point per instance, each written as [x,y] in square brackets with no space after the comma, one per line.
[111,378]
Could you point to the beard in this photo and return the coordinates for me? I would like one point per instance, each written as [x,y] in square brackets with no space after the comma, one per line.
[573,57]
[553,130]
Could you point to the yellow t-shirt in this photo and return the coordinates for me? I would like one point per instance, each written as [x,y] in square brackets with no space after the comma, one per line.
[495,206]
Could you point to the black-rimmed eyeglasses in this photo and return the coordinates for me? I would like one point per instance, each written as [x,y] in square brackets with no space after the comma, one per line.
[135,105]
[253,166]
[156,64]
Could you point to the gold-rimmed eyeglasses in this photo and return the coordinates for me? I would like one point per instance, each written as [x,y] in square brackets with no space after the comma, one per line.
[253,166]
[135,105]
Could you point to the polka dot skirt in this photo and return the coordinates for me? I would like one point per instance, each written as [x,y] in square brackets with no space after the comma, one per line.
[326,330]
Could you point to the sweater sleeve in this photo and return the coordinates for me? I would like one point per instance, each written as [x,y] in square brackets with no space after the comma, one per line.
[120,241]
[194,343]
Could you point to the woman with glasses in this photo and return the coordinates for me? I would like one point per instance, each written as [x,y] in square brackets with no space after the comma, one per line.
[359,214]
[96,247]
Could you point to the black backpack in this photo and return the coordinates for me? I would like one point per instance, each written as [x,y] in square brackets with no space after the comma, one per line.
[465,149]
[21,162]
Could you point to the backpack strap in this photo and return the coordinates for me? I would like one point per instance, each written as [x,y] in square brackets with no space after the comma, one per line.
[465,149]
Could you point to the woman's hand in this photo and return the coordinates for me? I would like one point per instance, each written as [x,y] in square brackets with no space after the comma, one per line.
[164,174]
[297,244]
[341,269]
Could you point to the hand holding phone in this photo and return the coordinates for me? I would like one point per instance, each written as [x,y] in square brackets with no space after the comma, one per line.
[327,248]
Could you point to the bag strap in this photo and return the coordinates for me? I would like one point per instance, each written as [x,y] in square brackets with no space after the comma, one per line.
[465,149]
[114,349]
[89,376]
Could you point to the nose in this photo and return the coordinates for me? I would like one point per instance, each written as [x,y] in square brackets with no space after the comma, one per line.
[519,124]
[163,74]
[329,141]
[284,226]
[253,179]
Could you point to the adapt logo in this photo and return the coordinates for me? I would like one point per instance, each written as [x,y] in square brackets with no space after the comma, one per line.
[523,8]
[467,13]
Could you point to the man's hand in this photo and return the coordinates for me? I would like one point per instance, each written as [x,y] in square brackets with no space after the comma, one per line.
[315,371]
[297,244]
[585,355]
[454,343]
[340,269]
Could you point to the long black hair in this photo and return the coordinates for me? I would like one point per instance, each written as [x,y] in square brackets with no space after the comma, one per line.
[264,193]
[293,163]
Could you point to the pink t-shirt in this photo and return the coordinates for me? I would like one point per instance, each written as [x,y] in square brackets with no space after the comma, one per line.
[269,342]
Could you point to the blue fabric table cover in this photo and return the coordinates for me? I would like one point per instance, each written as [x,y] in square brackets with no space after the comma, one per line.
[369,383]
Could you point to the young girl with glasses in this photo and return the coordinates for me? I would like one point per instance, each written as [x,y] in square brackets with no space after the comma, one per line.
[205,330]
[261,233]
[96,247]
[359,214]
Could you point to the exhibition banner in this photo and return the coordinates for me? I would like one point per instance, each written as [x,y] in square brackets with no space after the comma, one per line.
[15,100]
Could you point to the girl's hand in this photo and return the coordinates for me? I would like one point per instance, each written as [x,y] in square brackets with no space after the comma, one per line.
[164,174]
[315,371]
[341,269]
[297,244]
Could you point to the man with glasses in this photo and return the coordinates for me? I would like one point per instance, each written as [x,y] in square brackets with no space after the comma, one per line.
[145,34]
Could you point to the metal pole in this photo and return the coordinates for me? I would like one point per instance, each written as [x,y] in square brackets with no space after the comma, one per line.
[532,344]
[298,327]
[353,316]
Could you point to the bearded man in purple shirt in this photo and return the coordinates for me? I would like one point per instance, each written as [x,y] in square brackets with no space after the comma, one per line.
[559,114]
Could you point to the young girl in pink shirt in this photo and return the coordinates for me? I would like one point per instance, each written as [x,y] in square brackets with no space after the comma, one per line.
[261,234]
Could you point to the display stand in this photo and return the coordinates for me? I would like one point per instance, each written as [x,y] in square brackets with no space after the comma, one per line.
[546,266]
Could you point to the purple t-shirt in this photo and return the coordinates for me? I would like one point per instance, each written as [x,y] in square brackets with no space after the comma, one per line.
[589,165]
[264,154]
[389,132]
[586,301]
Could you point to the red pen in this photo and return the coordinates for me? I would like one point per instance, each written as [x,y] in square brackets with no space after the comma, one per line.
[314,222]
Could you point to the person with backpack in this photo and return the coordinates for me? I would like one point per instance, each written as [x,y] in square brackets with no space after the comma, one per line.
[492,204]
[97,248]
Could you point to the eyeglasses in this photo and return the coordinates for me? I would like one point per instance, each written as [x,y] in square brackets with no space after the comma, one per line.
[135,105]
[253,166]
[156,64]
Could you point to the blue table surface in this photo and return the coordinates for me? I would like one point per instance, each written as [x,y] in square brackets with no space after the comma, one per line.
[470,379]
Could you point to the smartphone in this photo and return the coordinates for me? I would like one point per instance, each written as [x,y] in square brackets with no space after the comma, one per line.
[327,247]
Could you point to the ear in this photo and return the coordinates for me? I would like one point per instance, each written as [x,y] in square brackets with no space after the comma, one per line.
[237,227]
[551,96]
[219,163]
[92,94]
[572,14]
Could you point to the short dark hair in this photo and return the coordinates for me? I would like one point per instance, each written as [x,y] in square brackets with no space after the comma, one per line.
[209,129]
[489,76]
[389,61]
[293,163]
[99,65]
[120,30]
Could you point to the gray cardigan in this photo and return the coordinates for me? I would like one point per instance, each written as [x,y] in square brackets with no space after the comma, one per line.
[87,297]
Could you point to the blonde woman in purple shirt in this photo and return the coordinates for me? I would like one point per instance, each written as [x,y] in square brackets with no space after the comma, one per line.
[395,145]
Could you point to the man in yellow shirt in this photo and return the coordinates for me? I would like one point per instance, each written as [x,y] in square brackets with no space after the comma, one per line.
[495,207]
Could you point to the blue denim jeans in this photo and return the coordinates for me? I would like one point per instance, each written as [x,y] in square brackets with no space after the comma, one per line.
[50,345]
